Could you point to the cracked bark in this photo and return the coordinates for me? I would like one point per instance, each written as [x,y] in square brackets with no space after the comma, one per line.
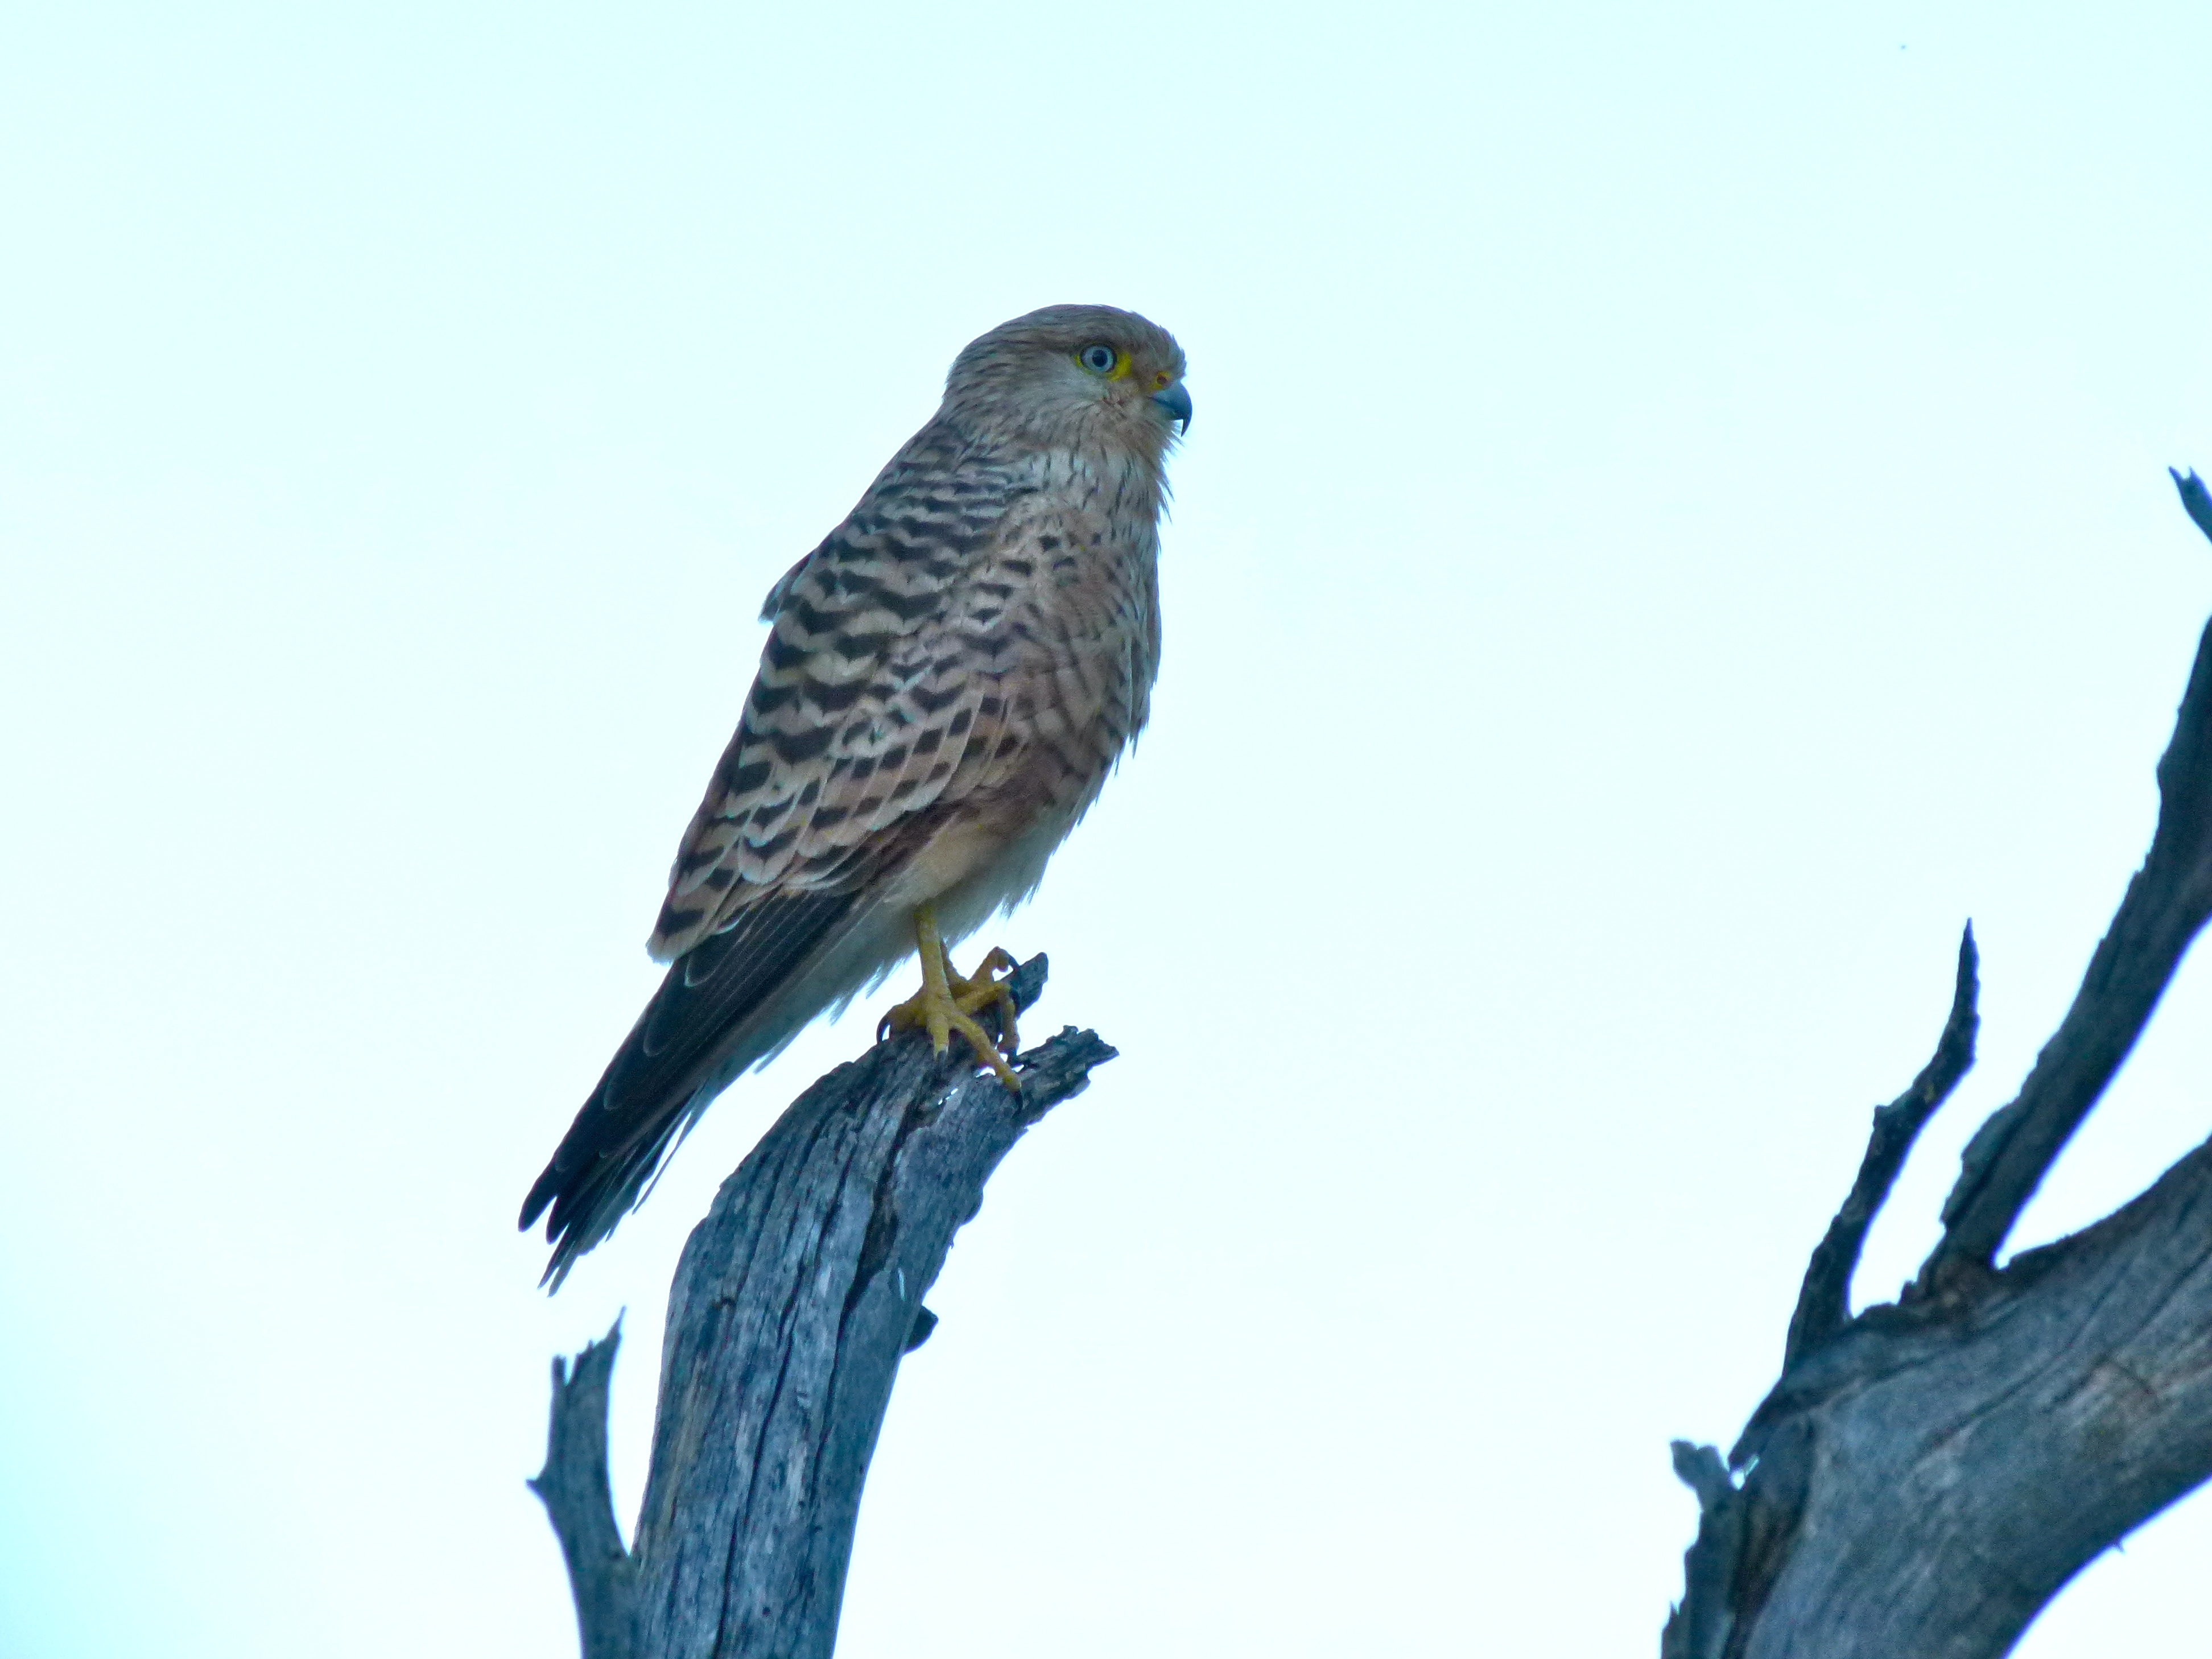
[793,1302]
[1926,1475]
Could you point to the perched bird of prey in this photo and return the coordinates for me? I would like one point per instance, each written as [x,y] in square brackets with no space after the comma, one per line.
[948,679]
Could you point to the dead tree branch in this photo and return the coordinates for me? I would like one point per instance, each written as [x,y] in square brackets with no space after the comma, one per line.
[1925,1476]
[580,1501]
[1824,1302]
[794,1301]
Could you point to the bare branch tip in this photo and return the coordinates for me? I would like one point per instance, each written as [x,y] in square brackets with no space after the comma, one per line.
[2195,499]
[1700,1469]
[599,1350]
[1965,1003]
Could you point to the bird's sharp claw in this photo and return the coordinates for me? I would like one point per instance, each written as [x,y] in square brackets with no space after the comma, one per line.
[955,1010]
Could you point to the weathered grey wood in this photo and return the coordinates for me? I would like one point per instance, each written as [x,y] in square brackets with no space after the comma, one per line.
[1824,1302]
[1937,1474]
[580,1501]
[793,1302]
[2196,500]
[1924,1477]
[2165,907]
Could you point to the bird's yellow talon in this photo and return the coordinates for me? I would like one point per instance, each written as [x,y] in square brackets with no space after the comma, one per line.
[949,1002]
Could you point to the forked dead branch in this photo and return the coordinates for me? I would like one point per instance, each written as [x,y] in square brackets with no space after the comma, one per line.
[1925,1476]
[794,1301]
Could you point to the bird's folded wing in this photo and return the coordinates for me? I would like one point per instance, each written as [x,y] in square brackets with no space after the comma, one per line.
[880,709]
[880,698]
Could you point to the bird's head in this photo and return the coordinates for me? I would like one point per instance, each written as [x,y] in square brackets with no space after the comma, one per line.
[1074,377]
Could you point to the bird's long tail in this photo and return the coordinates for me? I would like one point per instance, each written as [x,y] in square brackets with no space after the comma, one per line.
[727,1004]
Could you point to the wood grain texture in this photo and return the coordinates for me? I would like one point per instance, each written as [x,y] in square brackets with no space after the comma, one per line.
[579,1502]
[793,1302]
[1925,1476]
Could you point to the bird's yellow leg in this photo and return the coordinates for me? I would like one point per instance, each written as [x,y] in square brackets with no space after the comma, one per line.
[948,1001]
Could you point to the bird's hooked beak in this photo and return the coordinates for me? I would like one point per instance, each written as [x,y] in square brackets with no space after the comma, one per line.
[1177,401]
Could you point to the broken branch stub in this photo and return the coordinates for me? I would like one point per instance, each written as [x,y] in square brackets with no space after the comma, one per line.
[793,1305]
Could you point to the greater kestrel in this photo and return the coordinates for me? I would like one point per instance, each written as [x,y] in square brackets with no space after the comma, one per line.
[948,679]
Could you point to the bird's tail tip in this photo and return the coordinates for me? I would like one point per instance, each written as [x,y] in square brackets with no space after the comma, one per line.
[562,1233]
[541,1194]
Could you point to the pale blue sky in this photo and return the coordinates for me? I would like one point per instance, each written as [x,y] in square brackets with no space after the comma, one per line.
[1675,523]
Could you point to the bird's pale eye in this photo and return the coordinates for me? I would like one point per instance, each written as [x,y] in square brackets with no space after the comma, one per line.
[1104,361]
